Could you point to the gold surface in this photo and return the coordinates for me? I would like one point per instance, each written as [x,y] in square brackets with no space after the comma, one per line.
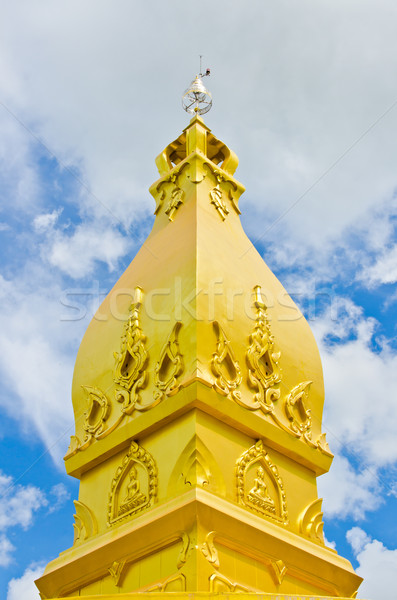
[198,398]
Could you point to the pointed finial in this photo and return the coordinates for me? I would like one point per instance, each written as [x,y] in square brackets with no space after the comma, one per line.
[197,99]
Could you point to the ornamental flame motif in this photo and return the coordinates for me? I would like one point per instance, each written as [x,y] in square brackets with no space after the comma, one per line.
[129,372]
[263,367]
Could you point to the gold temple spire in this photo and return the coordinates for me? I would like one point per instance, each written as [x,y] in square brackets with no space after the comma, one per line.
[198,397]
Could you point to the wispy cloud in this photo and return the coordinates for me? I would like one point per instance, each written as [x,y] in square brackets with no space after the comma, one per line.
[377,564]
[18,504]
[24,586]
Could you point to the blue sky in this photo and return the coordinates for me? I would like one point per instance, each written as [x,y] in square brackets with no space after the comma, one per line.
[305,93]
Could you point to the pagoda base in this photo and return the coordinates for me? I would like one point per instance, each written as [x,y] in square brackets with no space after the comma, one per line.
[203,596]
[154,555]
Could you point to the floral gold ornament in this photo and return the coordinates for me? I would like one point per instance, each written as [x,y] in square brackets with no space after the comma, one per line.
[323,446]
[97,412]
[217,201]
[85,524]
[175,193]
[74,446]
[169,367]
[175,200]
[129,371]
[262,359]
[184,550]
[220,584]
[311,522]
[134,486]
[116,571]
[175,583]
[259,485]
[297,411]
[278,570]
[224,366]
[209,550]
[216,194]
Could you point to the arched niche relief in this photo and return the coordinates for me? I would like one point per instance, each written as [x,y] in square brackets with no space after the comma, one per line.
[259,485]
[134,486]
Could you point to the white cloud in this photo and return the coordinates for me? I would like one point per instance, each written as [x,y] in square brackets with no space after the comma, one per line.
[358,406]
[18,503]
[46,221]
[384,270]
[18,175]
[357,538]
[17,507]
[348,493]
[303,117]
[377,565]
[76,255]
[21,505]
[32,334]
[60,494]
[24,588]
[6,550]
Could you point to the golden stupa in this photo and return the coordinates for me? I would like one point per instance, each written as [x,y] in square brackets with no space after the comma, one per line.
[198,397]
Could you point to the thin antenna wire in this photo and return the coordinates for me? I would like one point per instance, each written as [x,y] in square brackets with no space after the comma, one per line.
[201,56]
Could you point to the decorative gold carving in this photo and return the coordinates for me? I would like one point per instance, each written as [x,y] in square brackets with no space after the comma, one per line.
[175,583]
[131,361]
[224,366]
[169,366]
[278,570]
[216,200]
[296,409]
[259,485]
[311,522]
[74,446]
[263,368]
[176,199]
[116,571]
[184,550]
[209,551]
[129,376]
[96,413]
[219,583]
[264,372]
[85,524]
[176,195]
[216,193]
[196,466]
[322,445]
[134,487]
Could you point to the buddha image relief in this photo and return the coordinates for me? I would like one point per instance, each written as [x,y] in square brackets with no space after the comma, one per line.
[134,487]
[259,485]
[259,494]
[131,496]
